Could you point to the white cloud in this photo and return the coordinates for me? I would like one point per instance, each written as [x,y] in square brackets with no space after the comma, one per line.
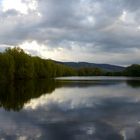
[19,5]
[123,16]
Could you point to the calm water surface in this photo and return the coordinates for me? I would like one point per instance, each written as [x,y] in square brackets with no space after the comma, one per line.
[86,108]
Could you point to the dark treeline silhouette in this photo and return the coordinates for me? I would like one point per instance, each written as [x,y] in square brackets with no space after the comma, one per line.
[16,64]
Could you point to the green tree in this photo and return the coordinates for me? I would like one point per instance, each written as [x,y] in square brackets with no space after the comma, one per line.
[133,70]
[7,67]
[24,67]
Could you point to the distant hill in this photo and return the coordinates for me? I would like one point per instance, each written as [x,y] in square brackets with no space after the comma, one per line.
[106,67]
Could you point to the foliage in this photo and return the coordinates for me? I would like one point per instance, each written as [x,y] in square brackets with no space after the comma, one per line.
[23,63]
[16,64]
[89,72]
[133,70]
[7,69]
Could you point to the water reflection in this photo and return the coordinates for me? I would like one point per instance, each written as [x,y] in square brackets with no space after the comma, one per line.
[71,110]
[13,95]
[133,83]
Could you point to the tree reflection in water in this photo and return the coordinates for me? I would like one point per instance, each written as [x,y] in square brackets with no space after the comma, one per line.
[133,83]
[13,95]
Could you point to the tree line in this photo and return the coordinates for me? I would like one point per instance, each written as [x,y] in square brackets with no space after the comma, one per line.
[16,64]
[131,71]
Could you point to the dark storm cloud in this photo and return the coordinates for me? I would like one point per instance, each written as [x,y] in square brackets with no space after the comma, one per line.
[111,25]
[71,21]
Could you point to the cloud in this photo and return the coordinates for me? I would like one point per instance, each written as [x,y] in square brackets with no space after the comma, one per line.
[111,27]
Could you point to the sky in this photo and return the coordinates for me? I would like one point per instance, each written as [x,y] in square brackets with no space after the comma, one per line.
[99,31]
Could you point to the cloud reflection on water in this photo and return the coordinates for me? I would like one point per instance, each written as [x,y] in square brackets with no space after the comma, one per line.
[77,112]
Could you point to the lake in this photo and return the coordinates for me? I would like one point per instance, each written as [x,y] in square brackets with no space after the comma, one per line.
[71,108]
